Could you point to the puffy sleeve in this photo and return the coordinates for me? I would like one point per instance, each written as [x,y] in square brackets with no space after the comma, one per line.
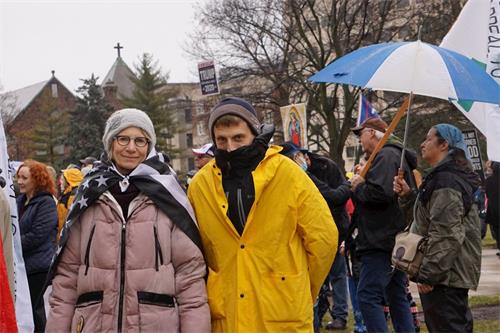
[64,289]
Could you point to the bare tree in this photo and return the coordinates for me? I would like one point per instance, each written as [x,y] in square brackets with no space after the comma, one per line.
[280,44]
[8,104]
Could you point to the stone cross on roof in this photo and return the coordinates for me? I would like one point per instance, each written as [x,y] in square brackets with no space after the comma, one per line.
[118,47]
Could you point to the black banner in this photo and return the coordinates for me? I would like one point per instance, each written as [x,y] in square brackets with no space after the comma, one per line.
[208,78]
[472,142]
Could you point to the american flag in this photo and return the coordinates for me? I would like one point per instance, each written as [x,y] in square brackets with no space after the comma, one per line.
[366,110]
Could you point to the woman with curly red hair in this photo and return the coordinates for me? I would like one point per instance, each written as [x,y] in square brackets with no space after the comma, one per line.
[38,223]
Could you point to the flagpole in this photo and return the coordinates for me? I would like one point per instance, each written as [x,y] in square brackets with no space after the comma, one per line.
[358,146]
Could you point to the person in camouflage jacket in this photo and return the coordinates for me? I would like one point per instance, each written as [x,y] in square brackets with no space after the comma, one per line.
[445,215]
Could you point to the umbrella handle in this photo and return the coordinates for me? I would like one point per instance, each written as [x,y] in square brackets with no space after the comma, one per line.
[401,173]
[387,133]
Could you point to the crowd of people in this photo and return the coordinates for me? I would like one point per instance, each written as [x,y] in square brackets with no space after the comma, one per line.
[262,238]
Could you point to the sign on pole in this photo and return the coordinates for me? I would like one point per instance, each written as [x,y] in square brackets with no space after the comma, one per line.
[295,124]
[470,137]
[208,78]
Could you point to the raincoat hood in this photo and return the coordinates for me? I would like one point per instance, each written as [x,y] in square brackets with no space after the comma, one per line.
[72,176]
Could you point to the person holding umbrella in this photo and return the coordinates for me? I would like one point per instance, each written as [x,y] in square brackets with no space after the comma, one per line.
[444,213]
[379,220]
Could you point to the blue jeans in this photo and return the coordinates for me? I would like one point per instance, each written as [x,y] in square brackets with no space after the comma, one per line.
[377,283]
[338,280]
[337,277]
[359,325]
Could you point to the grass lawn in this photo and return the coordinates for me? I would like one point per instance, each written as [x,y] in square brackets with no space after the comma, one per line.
[490,324]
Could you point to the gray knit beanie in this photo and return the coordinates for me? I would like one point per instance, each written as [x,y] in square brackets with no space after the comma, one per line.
[237,107]
[123,119]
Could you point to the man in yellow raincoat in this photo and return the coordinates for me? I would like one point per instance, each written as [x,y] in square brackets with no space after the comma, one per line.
[268,235]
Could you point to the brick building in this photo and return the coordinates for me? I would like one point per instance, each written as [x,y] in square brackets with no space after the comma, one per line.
[28,106]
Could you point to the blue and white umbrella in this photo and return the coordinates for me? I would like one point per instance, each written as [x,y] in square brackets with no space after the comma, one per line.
[415,68]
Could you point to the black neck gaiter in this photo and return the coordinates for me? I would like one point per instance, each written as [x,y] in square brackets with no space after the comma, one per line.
[237,181]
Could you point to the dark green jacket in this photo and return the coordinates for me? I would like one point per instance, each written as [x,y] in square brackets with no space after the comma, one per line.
[445,214]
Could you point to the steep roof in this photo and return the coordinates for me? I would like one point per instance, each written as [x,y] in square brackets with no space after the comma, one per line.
[16,101]
[119,76]
[21,98]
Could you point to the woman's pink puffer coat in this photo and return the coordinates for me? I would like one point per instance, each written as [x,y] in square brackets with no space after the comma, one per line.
[142,275]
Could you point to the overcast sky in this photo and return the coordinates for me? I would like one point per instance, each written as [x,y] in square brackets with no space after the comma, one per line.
[76,38]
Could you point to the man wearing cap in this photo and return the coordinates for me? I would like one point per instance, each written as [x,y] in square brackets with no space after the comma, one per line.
[380,219]
[266,230]
[87,164]
[203,155]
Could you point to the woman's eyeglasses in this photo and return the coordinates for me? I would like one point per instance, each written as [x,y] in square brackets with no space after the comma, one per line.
[139,141]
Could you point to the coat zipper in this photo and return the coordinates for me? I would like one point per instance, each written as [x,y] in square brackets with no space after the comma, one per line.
[158,252]
[122,278]
[87,252]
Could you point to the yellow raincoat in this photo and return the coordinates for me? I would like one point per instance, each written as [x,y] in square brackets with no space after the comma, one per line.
[267,279]
[72,179]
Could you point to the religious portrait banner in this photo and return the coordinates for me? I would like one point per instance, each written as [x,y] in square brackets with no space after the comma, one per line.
[295,124]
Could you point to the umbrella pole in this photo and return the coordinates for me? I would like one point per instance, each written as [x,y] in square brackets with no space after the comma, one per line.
[405,137]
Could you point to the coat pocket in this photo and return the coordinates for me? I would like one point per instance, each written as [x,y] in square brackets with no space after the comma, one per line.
[215,291]
[157,312]
[286,298]
[88,316]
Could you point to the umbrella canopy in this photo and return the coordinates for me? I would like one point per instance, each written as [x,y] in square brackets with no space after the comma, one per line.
[413,67]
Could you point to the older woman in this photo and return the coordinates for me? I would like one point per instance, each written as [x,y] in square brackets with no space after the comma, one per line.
[38,223]
[130,255]
[445,215]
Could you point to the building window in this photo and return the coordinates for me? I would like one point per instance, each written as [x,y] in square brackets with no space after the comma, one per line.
[350,151]
[59,149]
[269,117]
[190,163]
[200,128]
[188,115]
[189,140]
[199,109]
